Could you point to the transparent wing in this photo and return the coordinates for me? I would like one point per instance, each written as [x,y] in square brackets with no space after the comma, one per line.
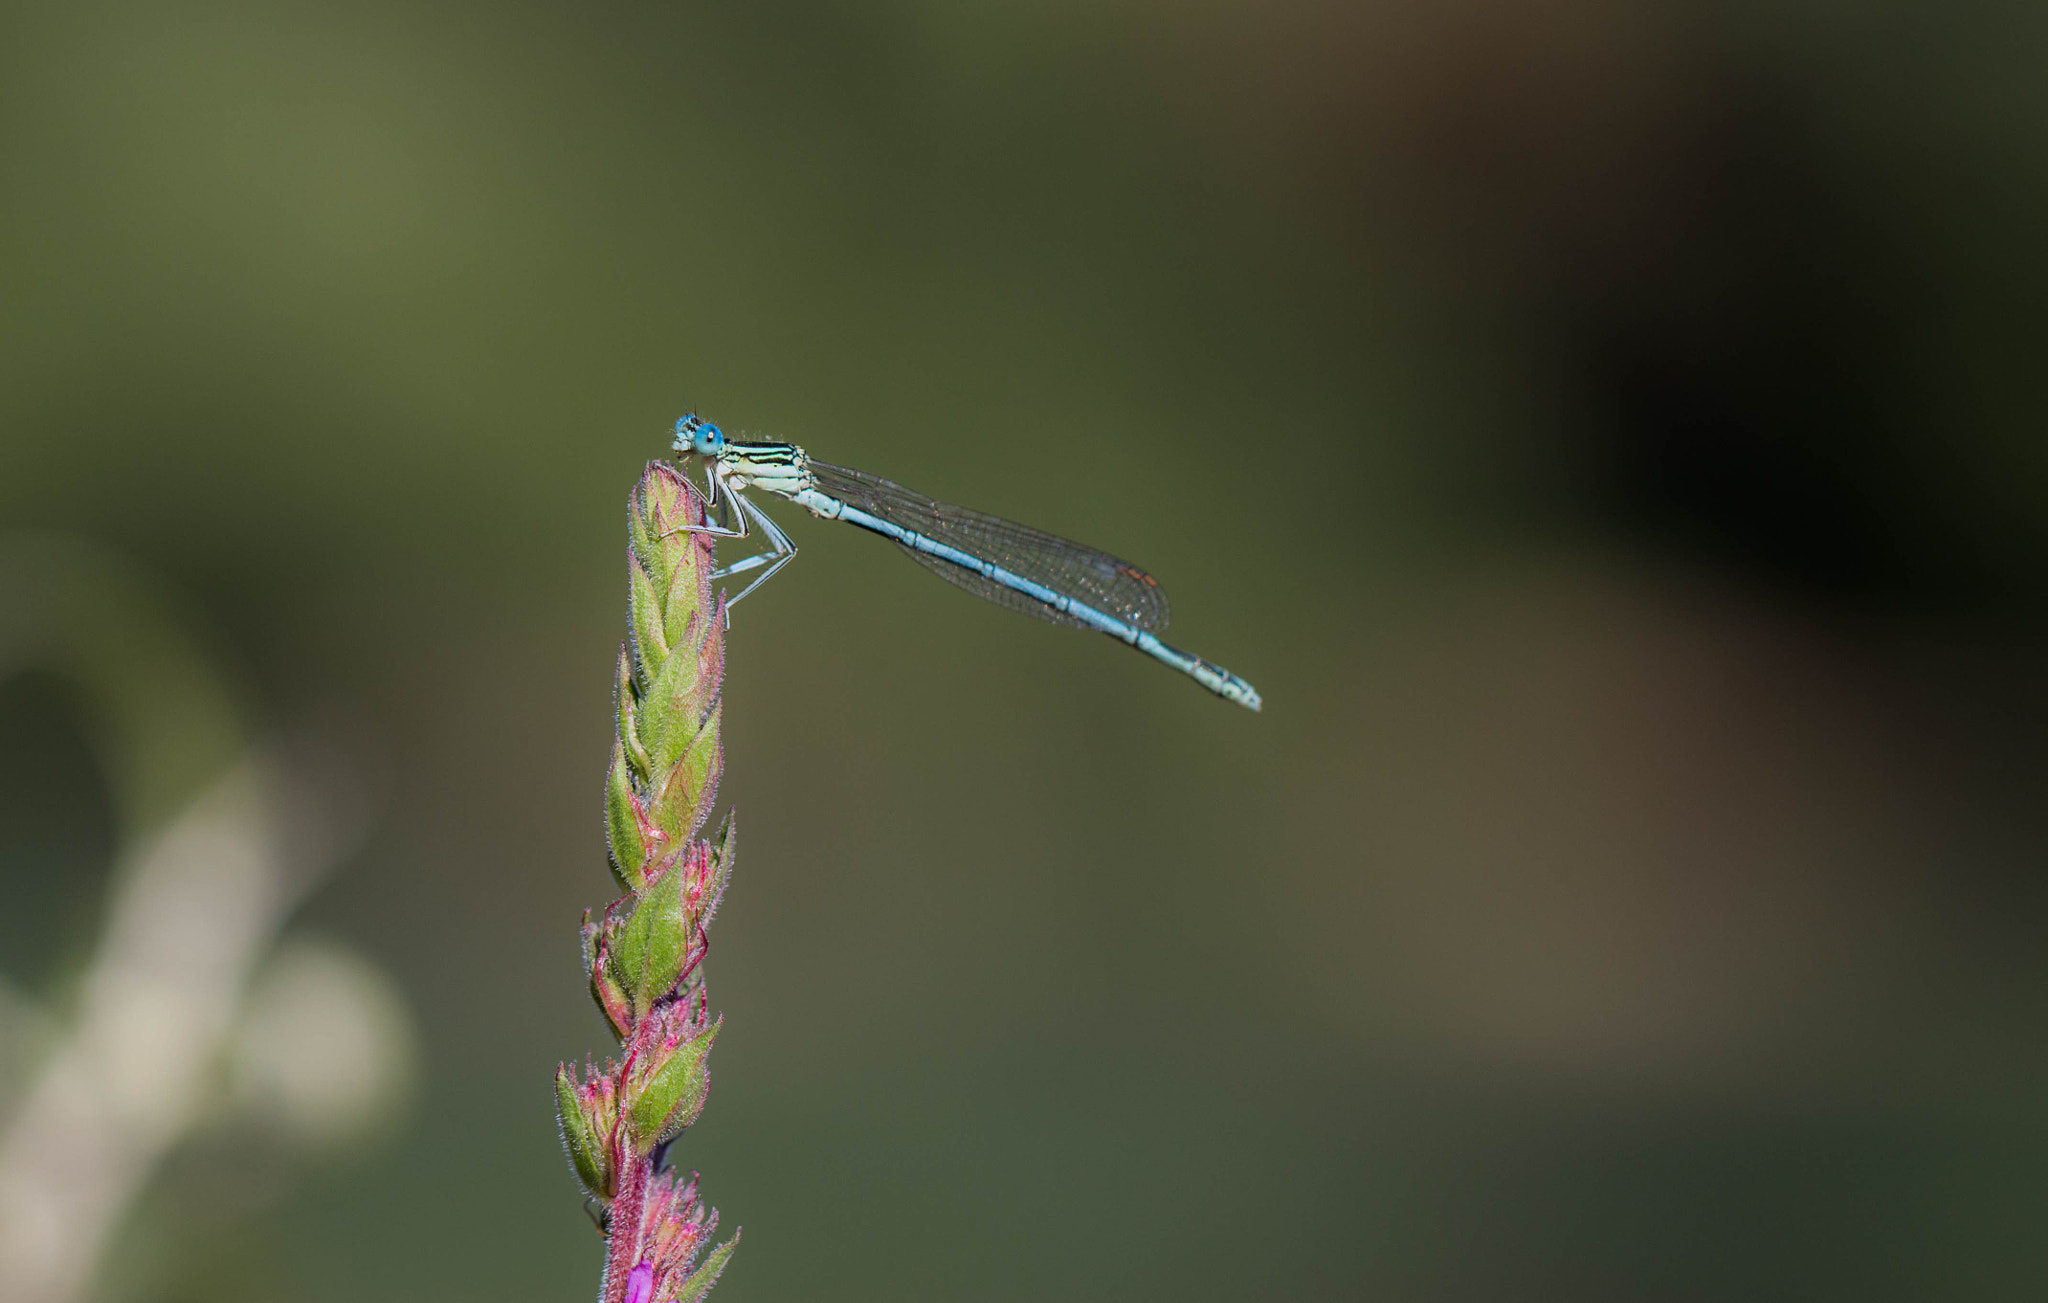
[1111,586]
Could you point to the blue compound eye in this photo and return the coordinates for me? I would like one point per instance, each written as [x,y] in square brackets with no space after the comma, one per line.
[695,434]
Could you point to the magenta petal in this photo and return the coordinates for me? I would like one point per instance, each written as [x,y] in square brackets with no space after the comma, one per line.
[640,1283]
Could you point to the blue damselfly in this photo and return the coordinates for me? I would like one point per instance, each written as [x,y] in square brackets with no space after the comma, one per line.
[1023,569]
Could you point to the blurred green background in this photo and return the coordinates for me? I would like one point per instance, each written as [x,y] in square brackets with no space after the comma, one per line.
[1608,434]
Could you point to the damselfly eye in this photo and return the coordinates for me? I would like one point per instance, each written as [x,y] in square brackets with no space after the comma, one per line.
[695,434]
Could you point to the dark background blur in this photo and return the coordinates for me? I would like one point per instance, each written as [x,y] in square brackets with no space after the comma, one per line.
[1608,434]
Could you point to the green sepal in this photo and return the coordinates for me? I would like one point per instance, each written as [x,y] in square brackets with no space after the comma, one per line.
[622,823]
[686,793]
[684,611]
[587,1149]
[672,711]
[612,1000]
[644,622]
[722,852]
[647,954]
[674,1093]
[701,1280]
[604,983]
[647,518]
[627,710]
[588,936]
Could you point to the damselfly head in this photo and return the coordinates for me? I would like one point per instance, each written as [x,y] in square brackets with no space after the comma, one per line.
[695,434]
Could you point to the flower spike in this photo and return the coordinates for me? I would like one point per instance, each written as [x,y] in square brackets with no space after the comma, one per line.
[644,955]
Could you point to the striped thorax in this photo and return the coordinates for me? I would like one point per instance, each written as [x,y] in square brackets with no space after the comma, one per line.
[779,468]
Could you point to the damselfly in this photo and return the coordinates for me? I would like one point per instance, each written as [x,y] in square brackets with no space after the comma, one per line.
[1024,569]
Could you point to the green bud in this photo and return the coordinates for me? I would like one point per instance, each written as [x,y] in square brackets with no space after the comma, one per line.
[583,1132]
[647,953]
[673,1094]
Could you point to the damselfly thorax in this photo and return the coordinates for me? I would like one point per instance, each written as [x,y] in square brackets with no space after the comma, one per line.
[780,468]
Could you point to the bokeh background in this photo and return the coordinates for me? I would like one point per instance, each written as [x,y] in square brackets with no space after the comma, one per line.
[1609,434]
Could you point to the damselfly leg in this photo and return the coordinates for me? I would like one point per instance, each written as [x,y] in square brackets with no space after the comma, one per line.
[727,527]
[780,550]
[734,525]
